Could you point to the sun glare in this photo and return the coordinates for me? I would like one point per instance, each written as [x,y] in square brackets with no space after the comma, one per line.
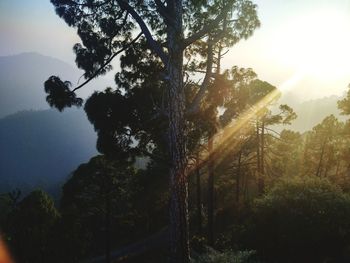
[316,44]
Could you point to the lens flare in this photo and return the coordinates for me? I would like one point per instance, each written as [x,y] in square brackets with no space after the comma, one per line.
[4,254]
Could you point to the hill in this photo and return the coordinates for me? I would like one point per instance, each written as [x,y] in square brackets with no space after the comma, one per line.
[41,148]
[22,77]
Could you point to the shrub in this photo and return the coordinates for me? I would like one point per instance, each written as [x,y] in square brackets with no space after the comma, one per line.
[301,220]
[30,228]
[213,256]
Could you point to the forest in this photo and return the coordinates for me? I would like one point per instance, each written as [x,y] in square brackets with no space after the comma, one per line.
[196,163]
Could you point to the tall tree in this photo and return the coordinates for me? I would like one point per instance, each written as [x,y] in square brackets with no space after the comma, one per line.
[284,116]
[286,154]
[107,28]
[322,145]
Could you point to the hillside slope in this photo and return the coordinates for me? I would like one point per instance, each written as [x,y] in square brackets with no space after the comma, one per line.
[41,148]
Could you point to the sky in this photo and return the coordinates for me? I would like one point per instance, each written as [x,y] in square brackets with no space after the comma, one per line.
[302,46]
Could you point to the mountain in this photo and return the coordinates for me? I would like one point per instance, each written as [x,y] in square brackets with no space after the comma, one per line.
[22,77]
[22,80]
[41,148]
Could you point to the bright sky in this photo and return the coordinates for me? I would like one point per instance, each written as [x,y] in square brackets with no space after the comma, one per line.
[303,46]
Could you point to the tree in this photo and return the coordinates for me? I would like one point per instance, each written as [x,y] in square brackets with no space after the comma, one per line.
[286,154]
[97,201]
[322,146]
[30,228]
[250,100]
[284,116]
[107,28]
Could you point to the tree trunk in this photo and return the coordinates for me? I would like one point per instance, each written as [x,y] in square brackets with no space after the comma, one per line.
[211,165]
[179,237]
[258,157]
[262,157]
[337,169]
[238,177]
[199,201]
[318,172]
[328,165]
[210,193]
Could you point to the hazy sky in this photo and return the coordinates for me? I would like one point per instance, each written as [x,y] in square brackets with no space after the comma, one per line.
[302,46]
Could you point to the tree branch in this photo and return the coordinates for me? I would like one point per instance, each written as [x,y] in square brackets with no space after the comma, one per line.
[150,40]
[200,94]
[107,62]
[209,27]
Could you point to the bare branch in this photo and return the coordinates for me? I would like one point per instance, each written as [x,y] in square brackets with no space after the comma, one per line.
[199,96]
[279,134]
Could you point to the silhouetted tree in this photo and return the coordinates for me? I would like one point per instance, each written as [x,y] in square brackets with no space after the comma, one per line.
[107,28]
[97,201]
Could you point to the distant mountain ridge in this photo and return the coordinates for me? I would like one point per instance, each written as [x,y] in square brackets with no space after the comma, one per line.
[39,147]
[22,80]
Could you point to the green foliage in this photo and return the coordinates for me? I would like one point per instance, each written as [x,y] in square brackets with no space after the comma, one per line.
[303,220]
[287,154]
[323,148]
[96,205]
[344,104]
[59,94]
[29,228]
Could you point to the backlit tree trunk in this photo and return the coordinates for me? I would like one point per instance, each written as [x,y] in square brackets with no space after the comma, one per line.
[262,157]
[179,239]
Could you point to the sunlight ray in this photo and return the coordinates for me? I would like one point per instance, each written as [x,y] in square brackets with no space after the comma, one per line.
[233,134]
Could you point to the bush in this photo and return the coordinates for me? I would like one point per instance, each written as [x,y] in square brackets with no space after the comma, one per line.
[30,228]
[302,220]
[213,256]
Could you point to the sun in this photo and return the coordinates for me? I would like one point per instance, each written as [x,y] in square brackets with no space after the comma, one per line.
[316,43]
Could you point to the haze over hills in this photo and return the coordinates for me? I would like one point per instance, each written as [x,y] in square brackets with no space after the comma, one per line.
[39,147]
[22,77]
[22,80]
[312,112]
